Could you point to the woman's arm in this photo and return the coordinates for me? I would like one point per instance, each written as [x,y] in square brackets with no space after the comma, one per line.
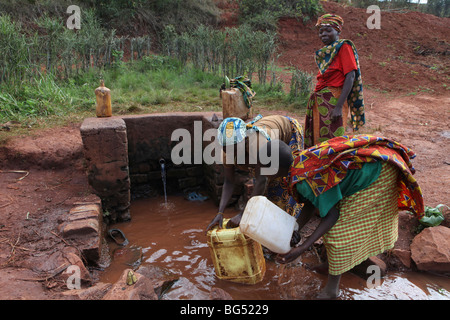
[228,186]
[227,192]
[348,84]
[325,225]
[258,190]
[260,183]
[306,214]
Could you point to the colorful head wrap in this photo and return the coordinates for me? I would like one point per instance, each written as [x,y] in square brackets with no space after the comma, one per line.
[234,130]
[330,20]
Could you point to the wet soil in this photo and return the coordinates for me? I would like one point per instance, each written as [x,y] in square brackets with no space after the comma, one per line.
[172,237]
[405,70]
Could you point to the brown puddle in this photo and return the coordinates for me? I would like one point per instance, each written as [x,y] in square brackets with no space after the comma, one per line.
[173,236]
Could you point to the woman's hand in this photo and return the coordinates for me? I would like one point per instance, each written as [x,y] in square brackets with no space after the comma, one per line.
[296,237]
[336,113]
[235,221]
[291,255]
[217,221]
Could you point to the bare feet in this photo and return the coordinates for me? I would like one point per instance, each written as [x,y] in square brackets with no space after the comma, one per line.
[319,268]
[327,294]
[331,290]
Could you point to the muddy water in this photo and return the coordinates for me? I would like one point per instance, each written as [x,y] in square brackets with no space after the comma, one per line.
[173,236]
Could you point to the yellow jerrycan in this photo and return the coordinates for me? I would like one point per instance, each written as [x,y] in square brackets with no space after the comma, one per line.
[103,95]
[235,256]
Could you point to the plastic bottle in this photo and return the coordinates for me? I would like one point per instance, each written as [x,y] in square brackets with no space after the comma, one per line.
[265,222]
[103,95]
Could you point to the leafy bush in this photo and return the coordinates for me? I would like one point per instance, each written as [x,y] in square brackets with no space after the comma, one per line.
[264,14]
[230,52]
[440,8]
[42,96]
[301,86]
[13,48]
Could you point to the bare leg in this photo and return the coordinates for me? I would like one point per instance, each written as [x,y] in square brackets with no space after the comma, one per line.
[331,290]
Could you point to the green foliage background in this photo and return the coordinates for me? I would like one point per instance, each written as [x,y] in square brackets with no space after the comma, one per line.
[154,54]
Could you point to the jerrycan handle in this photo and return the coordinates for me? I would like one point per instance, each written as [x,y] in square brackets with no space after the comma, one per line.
[224,223]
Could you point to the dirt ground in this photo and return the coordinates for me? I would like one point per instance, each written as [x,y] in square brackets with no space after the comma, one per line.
[31,202]
[42,176]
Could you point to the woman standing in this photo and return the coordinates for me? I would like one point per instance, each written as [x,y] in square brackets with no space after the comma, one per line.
[338,88]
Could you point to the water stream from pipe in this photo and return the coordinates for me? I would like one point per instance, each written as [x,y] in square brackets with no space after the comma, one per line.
[162,162]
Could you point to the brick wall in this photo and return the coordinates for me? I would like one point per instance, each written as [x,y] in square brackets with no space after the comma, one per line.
[123,159]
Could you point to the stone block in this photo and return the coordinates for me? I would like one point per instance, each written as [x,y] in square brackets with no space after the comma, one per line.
[144,167]
[116,146]
[430,249]
[139,178]
[74,259]
[200,180]
[154,175]
[83,216]
[218,178]
[96,292]
[163,279]
[80,228]
[213,169]
[106,152]
[404,256]
[83,227]
[187,182]
[108,177]
[176,173]
[143,289]
[214,188]
[104,140]
[89,207]
[194,171]
[84,212]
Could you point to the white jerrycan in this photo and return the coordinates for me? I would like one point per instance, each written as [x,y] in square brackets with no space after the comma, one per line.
[268,224]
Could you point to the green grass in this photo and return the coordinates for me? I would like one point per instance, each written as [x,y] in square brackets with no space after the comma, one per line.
[151,85]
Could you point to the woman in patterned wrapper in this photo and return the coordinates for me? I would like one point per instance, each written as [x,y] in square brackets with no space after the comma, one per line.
[339,86]
[358,184]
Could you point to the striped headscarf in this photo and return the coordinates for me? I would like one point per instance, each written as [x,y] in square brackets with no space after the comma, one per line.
[330,20]
[234,130]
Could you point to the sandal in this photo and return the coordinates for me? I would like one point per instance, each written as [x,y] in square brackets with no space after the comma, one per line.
[194,196]
[124,242]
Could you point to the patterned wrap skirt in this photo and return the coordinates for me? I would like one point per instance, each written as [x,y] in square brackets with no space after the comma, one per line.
[318,124]
[367,224]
